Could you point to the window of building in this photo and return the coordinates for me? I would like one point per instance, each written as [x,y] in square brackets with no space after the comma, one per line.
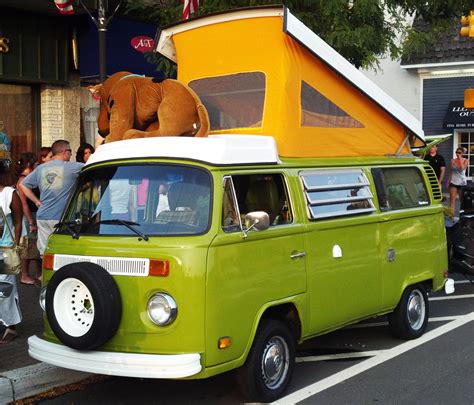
[90,108]
[17,118]
[255,192]
[399,188]
[466,141]
[233,101]
[333,193]
[318,111]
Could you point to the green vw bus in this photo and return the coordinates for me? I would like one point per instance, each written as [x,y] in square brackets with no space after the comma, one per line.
[304,211]
[252,255]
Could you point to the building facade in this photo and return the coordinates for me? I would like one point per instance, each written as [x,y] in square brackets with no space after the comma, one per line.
[431,86]
[47,61]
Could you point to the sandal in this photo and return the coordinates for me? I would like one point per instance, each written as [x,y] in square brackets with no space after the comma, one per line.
[8,336]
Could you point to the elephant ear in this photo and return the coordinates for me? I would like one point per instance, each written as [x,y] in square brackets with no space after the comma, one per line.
[96,91]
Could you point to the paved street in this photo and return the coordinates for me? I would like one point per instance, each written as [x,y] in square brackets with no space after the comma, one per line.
[435,369]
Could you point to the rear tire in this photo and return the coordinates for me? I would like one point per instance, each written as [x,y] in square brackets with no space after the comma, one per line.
[410,318]
[269,366]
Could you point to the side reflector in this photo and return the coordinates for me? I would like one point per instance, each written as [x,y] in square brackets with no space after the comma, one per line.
[48,262]
[159,268]
[224,342]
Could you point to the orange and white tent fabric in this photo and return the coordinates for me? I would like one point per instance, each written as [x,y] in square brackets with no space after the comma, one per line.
[261,71]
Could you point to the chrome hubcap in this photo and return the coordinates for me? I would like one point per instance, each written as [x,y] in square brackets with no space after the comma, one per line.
[416,309]
[275,362]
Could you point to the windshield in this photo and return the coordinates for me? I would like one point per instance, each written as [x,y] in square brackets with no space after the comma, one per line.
[139,200]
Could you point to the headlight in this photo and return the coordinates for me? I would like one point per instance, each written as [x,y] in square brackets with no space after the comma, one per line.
[42,298]
[162,309]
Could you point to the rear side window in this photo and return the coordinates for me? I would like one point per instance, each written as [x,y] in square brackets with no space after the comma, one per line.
[334,193]
[400,187]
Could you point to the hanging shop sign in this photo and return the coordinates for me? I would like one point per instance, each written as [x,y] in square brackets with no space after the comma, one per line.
[4,48]
[142,43]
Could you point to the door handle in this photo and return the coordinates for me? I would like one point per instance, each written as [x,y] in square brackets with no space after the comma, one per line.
[297,255]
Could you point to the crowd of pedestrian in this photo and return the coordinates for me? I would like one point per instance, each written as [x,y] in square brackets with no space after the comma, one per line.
[33,194]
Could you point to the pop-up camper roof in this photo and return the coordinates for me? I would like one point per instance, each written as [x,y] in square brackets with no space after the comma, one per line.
[262,71]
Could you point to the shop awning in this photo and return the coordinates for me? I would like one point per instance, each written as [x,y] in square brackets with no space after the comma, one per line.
[458,116]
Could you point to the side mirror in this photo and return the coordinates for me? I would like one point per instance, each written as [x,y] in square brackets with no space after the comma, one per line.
[258,220]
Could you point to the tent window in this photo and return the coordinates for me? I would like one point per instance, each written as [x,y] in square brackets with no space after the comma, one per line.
[233,101]
[335,193]
[318,111]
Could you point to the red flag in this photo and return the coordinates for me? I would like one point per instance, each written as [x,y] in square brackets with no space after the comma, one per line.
[190,7]
[64,6]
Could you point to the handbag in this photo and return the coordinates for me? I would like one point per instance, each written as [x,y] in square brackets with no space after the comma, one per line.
[5,289]
[11,255]
[29,249]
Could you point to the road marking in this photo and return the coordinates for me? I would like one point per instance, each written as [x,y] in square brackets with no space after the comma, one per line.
[377,324]
[338,356]
[451,297]
[365,365]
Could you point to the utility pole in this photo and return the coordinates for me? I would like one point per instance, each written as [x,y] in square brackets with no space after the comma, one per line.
[101,23]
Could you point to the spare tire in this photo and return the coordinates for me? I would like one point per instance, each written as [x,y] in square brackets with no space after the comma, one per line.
[83,305]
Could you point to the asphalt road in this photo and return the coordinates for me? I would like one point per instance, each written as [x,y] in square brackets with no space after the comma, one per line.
[438,368]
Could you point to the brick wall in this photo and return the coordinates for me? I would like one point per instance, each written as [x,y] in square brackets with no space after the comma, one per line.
[60,113]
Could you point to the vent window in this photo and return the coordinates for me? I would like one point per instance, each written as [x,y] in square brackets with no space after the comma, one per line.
[337,193]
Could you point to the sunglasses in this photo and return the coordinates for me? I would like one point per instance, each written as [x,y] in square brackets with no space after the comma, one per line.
[458,153]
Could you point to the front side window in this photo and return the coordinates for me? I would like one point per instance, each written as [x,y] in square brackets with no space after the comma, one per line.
[399,188]
[140,199]
[233,101]
[255,192]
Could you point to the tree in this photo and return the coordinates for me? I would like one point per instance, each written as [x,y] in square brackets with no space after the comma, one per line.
[361,30]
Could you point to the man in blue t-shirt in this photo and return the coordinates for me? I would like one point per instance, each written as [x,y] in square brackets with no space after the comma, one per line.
[55,180]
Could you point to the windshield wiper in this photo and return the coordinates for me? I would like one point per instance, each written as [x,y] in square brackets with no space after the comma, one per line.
[69,226]
[128,224]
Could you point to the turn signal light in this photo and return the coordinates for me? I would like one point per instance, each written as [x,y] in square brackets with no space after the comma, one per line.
[159,268]
[224,342]
[48,262]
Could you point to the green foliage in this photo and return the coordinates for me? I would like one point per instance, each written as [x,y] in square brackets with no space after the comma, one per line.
[361,30]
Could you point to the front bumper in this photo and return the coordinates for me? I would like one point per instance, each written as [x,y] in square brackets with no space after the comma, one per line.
[113,363]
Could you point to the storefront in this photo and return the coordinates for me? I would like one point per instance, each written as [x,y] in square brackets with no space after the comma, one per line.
[33,56]
[460,120]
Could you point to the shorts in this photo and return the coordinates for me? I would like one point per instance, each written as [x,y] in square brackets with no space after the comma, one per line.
[45,228]
[457,186]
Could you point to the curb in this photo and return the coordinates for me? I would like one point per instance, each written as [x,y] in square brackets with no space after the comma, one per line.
[32,380]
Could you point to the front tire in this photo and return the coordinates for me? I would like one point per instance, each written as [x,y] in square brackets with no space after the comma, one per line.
[269,366]
[410,318]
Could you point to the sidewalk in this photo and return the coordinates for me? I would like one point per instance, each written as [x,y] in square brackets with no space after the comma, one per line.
[21,376]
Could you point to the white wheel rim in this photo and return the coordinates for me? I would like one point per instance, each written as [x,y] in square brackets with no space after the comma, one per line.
[73,307]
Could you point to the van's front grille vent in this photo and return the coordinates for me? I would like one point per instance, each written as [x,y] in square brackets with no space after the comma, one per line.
[435,188]
[116,266]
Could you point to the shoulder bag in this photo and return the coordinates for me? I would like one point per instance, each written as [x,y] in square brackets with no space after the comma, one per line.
[11,255]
